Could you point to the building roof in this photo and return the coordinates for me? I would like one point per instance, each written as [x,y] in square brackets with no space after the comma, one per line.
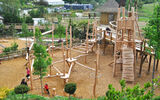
[111,6]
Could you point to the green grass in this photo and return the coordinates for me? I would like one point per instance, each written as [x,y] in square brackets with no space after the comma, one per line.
[38,97]
[146,11]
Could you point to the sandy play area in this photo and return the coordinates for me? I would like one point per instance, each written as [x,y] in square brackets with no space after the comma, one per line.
[8,42]
[13,71]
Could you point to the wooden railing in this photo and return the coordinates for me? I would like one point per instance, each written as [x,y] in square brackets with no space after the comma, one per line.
[13,54]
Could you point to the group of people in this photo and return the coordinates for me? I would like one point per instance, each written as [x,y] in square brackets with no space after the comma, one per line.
[24,81]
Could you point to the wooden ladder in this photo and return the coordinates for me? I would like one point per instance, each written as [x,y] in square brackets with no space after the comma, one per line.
[128,64]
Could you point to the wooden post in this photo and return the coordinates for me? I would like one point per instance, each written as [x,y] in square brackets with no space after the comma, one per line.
[66,43]
[157,64]
[96,72]
[34,31]
[149,66]
[52,39]
[29,66]
[64,69]
[70,42]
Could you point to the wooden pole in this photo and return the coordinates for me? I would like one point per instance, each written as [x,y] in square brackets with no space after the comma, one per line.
[96,72]
[66,43]
[52,39]
[34,31]
[64,69]
[30,72]
[70,41]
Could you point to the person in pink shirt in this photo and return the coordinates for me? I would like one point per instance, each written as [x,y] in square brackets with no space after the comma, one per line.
[28,73]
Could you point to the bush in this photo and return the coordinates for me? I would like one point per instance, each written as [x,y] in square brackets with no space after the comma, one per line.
[21,89]
[156,98]
[6,50]
[4,92]
[70,88]
[14,46]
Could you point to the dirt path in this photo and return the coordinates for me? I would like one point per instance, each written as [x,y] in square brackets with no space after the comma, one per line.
[12,72]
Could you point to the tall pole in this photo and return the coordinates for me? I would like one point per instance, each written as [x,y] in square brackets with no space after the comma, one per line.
[96,72]
[66,42]
[63,54]
[70,41]
[87,41]
[154,63]
[52,39]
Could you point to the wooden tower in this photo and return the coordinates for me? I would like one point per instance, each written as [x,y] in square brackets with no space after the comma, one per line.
[125,51]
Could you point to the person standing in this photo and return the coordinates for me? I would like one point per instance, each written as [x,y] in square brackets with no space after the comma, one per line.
[28,73]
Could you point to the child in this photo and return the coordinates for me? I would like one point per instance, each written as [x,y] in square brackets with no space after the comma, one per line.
[46,87]
[28,73]
[23,82]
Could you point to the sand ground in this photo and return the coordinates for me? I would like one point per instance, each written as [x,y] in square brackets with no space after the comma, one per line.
[12,71]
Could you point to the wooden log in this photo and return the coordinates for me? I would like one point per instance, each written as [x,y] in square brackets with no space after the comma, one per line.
[157,64]
[149,65]
[141,64]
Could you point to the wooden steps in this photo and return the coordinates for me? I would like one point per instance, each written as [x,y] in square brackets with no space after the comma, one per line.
[128,64]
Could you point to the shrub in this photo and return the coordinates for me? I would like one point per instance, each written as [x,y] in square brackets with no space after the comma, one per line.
[156,98]
[6,50]
[4,92]
[21,89]
[14,46]
[70,88]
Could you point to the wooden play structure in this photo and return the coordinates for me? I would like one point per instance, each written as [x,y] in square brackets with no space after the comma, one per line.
[67,59]
[124,52]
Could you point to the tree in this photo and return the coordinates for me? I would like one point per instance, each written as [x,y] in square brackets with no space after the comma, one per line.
[42,59]
[70,88]
[152,32]
[135,93]
[25,31]
[60,30]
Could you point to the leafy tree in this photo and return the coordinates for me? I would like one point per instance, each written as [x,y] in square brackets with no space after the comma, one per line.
[70,88]
[135,93]
[25,31]
[60,30]
[152,32]
[42,59]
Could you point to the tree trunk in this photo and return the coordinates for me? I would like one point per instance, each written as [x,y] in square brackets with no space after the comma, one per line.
[41,85]
[153,73]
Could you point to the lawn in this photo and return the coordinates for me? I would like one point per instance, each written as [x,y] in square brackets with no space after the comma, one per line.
[146,12]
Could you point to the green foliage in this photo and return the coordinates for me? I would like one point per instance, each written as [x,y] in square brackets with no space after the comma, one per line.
[25,31]
[21,89]
[14,46]
[60,30]
[152,31]
[70,88]
[135,93]
[42,59]
[4,92]
[156,98]
[38,13]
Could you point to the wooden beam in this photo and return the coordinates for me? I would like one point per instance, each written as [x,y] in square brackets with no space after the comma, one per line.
[149,65]
[141,64]
[157,64]
[70,41]
[52,39]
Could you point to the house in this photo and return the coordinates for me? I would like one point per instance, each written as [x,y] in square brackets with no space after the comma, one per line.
[53,2]
[79,6]
[38,21]
[108,12]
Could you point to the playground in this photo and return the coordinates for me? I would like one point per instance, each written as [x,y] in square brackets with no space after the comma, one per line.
[13,71]
[105,57]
